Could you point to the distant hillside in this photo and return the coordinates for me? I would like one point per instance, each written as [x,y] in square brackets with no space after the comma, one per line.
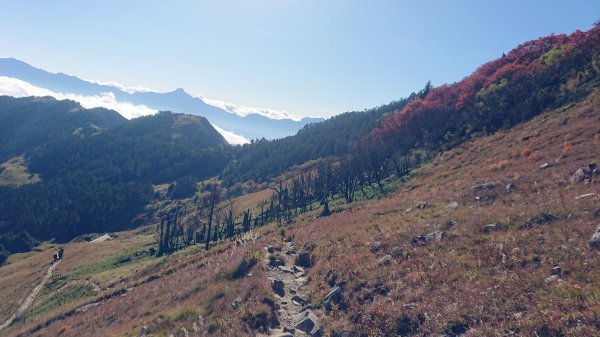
[250,126]
[96,168]
[30,122]
[335,136]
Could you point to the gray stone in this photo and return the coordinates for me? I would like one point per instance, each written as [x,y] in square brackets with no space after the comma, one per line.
[452,206]
[276,262]
[594,242]
[422,205]
[280,333]
[490,228]
[397,252]
[375,245]
[301,281]
[385,260]
[544,166]
[334,296]
[278,287]
[297,269]
[144,331]
[557,271]
[286,269]
[304,260]
[183,332]
[585,173]
[486,186]
[299,300]
[510,187]
[421,240]
[308,322]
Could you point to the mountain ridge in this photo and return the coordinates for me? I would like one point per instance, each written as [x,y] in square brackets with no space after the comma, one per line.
[251,126]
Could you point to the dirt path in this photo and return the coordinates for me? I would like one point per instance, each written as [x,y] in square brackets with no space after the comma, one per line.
[288,282]
[30,298]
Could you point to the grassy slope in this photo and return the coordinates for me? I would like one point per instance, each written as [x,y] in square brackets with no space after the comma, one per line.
[14,172]
[492,282]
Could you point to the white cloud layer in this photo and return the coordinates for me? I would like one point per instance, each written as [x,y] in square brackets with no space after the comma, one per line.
[17,88]
[231,137]
[14,87]
[125,88]
[243,110]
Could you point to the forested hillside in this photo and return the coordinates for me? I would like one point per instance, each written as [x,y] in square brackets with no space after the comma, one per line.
[27,123]
[335,136]
[96,168]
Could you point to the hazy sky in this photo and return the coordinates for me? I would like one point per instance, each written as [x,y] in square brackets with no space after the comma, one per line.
[309,58]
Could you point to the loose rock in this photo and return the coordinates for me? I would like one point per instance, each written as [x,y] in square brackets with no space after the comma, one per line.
[335,296]
[485,186]
[594,242]
[422,205]
[584,173]
[385,260]
[397,252]
[308,323]
[278,287]
[375,245]
[421,240]
[452,206]
[490,228]
[557,271]
[303,260]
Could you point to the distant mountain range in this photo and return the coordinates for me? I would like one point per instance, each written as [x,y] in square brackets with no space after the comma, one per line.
[251,126]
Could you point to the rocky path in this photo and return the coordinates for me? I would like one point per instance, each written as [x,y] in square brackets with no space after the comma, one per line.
[30,298]
[288,282]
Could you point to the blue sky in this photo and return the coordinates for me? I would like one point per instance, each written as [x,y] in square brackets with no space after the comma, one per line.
[309,58]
